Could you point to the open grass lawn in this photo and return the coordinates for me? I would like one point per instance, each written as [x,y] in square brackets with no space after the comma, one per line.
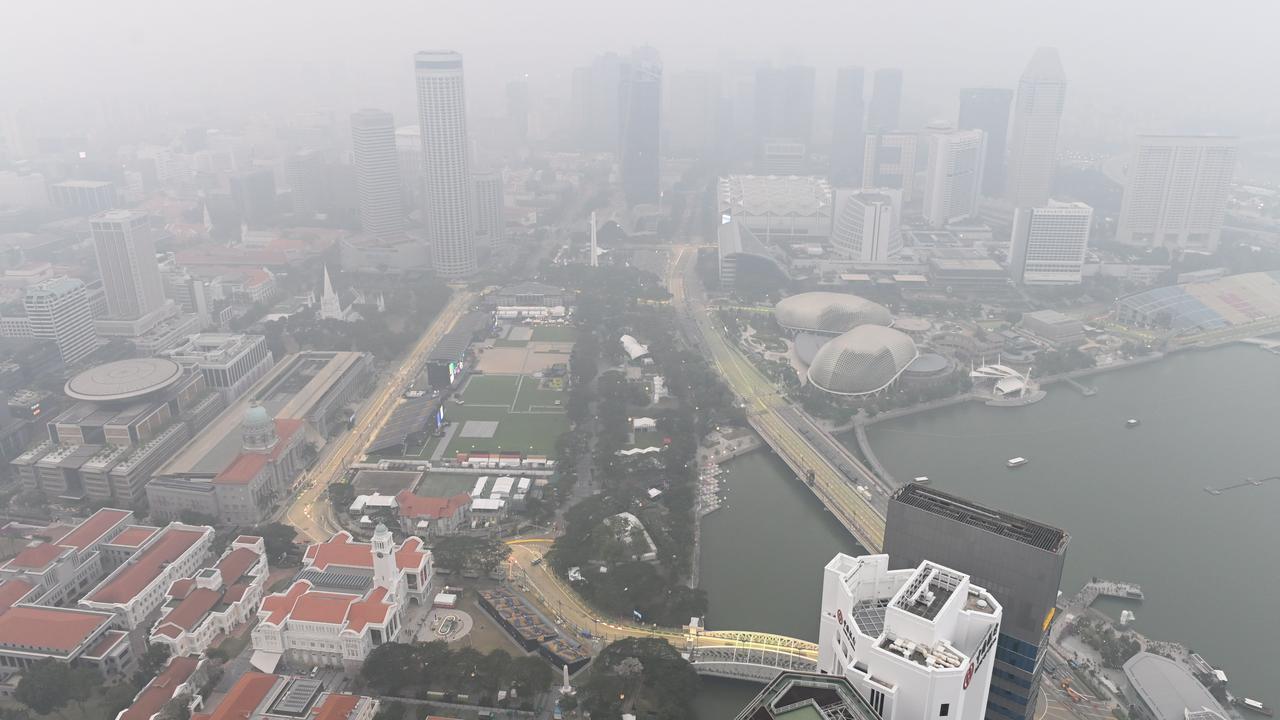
[534,398]
[555,334]
[444,484]
[534,433]
[510,343]
[489,390]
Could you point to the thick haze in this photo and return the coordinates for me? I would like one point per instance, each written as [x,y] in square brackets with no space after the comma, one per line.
[1182,65]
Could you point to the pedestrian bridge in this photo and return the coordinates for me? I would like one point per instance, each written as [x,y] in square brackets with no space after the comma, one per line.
[752,656]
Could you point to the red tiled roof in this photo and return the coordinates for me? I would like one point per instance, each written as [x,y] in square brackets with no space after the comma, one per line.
[235,593]
[279,605]
[248,465]
[36,557]
[323,607]
[236,564]
[192,608]
[161,689]
[247,539]
[179,588]
[244,697]
[146,566]
[134,535]
[59,630]
[12,591]
[229,256]
[105,643]
[340,550]
[433,508]
[92,529]
[371,610]
[336,707]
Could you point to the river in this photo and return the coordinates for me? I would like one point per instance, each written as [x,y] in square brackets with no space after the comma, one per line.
[1132,500]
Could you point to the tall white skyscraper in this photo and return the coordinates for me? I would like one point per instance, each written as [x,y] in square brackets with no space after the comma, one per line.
[373,155]
[865,224]
[58,310]
[954,180]
[889,161]
[124,243]
[447,189]
[1175,195]
[490,218]
[1033,141]
[1049,243]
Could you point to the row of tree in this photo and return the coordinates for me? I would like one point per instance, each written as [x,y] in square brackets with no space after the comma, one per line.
[398,669]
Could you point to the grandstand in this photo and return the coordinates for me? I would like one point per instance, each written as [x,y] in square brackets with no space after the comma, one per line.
[1232,301]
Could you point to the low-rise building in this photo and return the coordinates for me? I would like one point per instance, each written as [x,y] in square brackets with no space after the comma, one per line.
[215,600]
[181,676]
[62,561]
[136,590]
[1053,328]
[258,696]
[31,633]
[230,363]
[432,516]
[917,643]
[348,599]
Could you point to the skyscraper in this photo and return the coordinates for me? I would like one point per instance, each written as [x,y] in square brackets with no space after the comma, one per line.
[987,109]
[1049,243]
[886,101]
[1176,193]
[1018,560]
[442,115]
[640,153]
[596,102]
[889,161]
[125,246]
[58,310]
[954,178]
[373,154]
[784,103]
[847,128]
[692,114]
[865,224]
[1033,143]
[489,217]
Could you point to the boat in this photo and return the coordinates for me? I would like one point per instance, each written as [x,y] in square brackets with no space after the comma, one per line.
[1254,705]
[1017,462]
[923,479]
[1132,422]
[1126,617]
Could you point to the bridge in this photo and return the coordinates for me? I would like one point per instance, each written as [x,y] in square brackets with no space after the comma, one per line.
[845,490]
[755,657]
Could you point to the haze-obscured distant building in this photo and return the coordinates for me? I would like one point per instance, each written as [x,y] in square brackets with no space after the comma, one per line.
[784,100]
[83,197]
[987,109]
[847,132]
[889,161]
[1049,243]
[1033,140]
[641,113]
[490,216]
[1176,192]
[447,190]
[373,156]
[953,181]
[865,225]
[886,101]
[58,310]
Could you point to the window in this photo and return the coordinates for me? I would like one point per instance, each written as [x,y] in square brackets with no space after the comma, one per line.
[944,710]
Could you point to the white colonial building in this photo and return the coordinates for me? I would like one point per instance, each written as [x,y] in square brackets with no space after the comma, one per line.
[215,600]
[917,643]
[349,598]
[136,590]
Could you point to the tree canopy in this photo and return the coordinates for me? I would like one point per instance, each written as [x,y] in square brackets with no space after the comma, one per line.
[644,676]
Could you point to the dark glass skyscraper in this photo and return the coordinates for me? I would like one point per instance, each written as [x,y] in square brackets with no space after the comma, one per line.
[641,111]
[1018,560]
[987,109]
[847,132]
[886,101]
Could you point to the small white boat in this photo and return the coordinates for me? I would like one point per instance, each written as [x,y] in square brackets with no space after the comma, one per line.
[921,480]
[1017,462]
[1131,422]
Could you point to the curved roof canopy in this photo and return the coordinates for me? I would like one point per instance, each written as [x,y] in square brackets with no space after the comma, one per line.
[862,361]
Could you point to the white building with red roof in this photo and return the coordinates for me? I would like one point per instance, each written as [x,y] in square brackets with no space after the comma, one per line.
[136,590]
[182,675]
[426,516]
[215,600]
[31,633]
[349,598]
[61,561]
[259,696]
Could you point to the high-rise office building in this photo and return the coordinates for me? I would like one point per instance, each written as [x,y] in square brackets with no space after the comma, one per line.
[692,114]
[1018,560]
[866,224]
[784,103]
[58,310]
[304,171]
[373,155]
[847,134]
[1033,141]
[1175,195]
[886,101]
[517,94]
[409,161]
[595,103]
[253,192]
[889,161]
[125,246]
[447,190]
[953,181]
[1049,243]
[917,642]
[640,150]
[490,218]
[987,109]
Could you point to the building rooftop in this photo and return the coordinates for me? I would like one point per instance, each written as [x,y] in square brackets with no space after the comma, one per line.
[161,689]
[91,530]
[142,569]
[134,535]
[57,631]
[246,466]
[1001,523]
[808,696]
[340,550]
[1167,688]
[124,379]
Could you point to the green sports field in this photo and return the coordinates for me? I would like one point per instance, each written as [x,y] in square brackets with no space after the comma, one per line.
[555,333]
[526,416]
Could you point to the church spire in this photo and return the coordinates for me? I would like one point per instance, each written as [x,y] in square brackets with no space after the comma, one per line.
[330,306]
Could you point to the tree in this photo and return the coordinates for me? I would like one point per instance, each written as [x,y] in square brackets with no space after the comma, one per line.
[391,666]
[278,539]
[44,686]
[640,672]
[393,710]
[81,683]
[155,658]
[193,517]
[178,708]
[341,495]
[458,552]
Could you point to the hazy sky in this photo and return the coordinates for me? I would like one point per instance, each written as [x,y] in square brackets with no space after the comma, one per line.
[1192,60]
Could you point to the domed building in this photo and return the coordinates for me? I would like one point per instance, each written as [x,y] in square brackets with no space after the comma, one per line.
[865,360]
[829,313]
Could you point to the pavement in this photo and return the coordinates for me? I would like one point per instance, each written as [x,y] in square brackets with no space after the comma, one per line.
[776,419]
[311,512]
